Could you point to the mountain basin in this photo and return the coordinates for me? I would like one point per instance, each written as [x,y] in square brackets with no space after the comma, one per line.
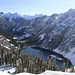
[45,53]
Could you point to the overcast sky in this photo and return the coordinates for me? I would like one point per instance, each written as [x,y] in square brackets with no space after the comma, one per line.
[31,7]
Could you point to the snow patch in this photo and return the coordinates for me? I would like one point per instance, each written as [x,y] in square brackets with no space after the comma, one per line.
[6,69]
[19,29]
[49,73]
[26,35]
[4,73]
[56,57]
[7,39]
[13,29]
[46,18]
[15,15]
[53,56]
[7,47]
[42,36]
[14,37]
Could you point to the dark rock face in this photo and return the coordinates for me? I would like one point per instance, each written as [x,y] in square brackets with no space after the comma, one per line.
[5,23]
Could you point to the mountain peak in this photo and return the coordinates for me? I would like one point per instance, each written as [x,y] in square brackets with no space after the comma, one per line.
[16,15]
[28,17]
[71,12]
[7,15]
[1,13]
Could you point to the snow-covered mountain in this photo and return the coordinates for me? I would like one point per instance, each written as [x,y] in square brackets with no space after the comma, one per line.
[55,32]
[8,20]
[28,17]
[6,23]
[14,17]
[18,17]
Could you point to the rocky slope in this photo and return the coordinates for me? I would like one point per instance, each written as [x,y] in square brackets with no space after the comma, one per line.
[4,42]
[53,32]
[6,23]
[8,20]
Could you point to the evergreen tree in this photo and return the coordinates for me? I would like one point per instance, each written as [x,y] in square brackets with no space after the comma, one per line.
[7,56]
[38,61]
[50,66]
[36,58]
[30,68]
[41,62]
[30,57]
[72,68]
[2,53]
[16,72]
[10,59]
[48,63]
[52,63]
[24,64]
[52,60]
[27,61]
[19,68]
[22,59]
[19,49]
[0,60]
[63,68]
[44,66]
[15,59]
[13,50]
[6,59]
[55,68]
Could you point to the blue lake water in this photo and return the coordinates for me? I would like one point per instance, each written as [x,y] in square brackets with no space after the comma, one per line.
[44,53]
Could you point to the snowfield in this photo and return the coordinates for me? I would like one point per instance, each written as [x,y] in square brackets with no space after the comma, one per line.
[45,73]
[5,69]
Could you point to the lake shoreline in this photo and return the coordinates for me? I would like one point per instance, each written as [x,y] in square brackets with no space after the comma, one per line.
[61,56]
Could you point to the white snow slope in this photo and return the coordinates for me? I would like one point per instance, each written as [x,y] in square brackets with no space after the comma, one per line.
[45,73]
[70,55]
[5,69]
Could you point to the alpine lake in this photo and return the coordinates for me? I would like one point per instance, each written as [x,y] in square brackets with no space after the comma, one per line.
[44,53]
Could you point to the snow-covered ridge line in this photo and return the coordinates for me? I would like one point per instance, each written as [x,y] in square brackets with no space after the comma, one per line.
[16,15]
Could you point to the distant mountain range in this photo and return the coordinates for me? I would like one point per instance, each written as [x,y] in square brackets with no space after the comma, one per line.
[18,17]
[28,17]
[55,32]
[9,19]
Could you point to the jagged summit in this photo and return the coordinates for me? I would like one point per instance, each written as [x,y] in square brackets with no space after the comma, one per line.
[71,10]
[16,15]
